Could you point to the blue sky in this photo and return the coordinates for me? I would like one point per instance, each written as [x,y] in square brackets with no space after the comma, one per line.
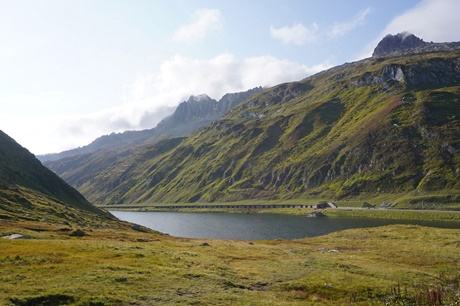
[71,71]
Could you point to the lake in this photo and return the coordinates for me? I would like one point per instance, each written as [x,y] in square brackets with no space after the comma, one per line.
[254,226]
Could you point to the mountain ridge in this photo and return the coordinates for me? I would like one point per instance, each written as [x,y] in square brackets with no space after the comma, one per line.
[189,116]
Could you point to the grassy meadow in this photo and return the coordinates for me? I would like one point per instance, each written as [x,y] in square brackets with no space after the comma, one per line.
[392,265]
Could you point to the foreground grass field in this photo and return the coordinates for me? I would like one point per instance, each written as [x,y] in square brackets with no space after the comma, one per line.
[393,265]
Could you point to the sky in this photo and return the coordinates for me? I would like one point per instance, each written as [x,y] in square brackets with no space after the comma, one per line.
[74,70]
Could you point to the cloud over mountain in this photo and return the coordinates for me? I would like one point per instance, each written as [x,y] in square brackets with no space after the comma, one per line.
[431,20]
[152,96]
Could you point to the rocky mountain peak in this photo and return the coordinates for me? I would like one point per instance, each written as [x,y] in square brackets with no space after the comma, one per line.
[198,98]
[195,107]
[202,107]
[399,42]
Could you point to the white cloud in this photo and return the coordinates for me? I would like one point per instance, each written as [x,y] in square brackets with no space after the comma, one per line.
[188,76]
[205,21]
[268,71]
[225,73]
[33,132]
[56,133]
[298,34]
[431,20]
[340,29]
[152,97]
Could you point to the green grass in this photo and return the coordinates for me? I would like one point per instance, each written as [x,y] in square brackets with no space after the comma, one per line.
[397,214]
[123,267]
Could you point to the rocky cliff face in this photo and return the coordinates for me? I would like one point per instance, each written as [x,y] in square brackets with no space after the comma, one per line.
[435,71]
[200,107]
[230,100]
[405,42]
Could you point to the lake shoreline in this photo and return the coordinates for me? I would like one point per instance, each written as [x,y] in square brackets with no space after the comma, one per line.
[351,212]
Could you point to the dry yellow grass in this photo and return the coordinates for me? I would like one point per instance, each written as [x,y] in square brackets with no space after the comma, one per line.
[124,267]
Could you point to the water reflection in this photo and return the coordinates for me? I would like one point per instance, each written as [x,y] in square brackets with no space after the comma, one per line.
[254,226]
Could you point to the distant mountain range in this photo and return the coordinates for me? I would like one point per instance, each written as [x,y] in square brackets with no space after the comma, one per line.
[387,125]
[189,116]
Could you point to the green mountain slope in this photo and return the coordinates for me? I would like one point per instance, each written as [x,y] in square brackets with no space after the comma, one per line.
[28,190]
[105,171]
[381,125]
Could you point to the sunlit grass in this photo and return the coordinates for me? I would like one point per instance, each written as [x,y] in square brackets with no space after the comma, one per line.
[108,267]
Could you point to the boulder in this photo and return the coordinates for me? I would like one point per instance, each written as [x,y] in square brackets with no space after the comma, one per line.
[13,236]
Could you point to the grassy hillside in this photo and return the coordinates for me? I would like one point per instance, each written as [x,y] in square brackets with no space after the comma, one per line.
[375,127]
[107,170]
[29,191]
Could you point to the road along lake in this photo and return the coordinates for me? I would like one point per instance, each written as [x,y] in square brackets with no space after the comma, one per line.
[255,226]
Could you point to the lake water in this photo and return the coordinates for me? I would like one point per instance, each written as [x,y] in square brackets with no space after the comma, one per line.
[254,226]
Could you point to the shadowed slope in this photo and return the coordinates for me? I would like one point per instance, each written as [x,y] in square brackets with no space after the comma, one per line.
[28,188]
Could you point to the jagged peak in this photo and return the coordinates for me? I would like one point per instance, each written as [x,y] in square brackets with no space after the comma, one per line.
[405,34]
[198,98]
[399,42]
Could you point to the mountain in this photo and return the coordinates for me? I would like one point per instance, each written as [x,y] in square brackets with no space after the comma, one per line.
[189,116]
[200,111]
[28,190]
[87,170]
[399,42]
[81,170]
[406,42]
[383,125]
